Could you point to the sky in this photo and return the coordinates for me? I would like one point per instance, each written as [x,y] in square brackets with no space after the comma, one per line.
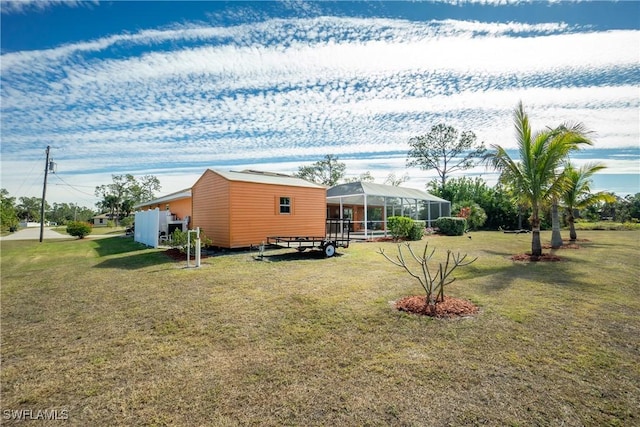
[173,88]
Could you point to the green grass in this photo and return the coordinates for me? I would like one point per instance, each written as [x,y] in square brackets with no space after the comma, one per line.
[607,225]
[119,334]
[96,231]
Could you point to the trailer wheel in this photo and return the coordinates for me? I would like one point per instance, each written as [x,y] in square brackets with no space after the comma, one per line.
[301,248]
[329,250]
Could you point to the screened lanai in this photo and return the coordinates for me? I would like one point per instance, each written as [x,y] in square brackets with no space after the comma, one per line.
[368,206]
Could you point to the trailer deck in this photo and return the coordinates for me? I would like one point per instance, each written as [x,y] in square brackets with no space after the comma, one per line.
[338,236]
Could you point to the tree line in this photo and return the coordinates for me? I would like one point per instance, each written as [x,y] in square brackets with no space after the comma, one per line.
[27,209]
[535,190]
[117,199]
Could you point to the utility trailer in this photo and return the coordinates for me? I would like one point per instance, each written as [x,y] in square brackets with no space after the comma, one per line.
[338,235]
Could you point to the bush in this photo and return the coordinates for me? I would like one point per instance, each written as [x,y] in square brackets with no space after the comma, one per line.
[78,229]
[180,240]
[472,212]
[127,221]
[402,227]
[399,226]
[451,226]
[417,231]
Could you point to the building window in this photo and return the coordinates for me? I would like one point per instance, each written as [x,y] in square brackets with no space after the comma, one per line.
[285,205]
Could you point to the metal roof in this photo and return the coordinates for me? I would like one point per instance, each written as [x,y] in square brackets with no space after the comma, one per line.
[380,190]
[267,178]
[182,194]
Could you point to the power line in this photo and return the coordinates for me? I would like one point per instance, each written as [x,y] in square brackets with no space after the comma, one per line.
[27,176]
[74,187]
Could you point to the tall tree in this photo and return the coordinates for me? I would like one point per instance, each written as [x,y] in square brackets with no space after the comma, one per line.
[495,201]
[8,214]
[577,194]
[556,236]
[29,208]
[328,171]
[394,180]
[62,213]
[142,189]
[534,178]
[442,150]
[124,192]
[363,177]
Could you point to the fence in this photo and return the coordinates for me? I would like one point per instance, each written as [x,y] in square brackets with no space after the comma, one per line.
[147,227]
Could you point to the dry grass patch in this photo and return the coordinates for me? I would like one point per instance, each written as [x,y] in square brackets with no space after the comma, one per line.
[123,335]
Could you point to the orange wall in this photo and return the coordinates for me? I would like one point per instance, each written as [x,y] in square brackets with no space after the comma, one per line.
[180,208]
[237,214]
[210,195]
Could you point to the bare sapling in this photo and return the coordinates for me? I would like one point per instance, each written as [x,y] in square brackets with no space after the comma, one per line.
[433,283]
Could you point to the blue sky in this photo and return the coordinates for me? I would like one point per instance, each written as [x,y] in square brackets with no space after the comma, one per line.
[173,88]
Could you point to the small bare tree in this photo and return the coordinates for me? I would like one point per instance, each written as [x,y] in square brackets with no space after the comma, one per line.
[433,284]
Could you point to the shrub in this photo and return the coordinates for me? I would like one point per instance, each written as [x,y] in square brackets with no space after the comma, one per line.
[127,221]
[417,231]
[402,227]
[78,229]
[399,226]
[179,239]
[472,212]
[451,226]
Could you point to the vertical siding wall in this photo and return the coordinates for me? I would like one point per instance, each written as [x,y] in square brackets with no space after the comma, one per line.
[210,205]
[235,214]
[255,212]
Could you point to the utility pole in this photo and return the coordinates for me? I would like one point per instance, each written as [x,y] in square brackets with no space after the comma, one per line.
[44,194]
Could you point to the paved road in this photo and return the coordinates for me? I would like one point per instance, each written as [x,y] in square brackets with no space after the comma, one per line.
[33,233]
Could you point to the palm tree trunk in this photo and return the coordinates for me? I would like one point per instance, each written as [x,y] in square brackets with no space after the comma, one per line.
[519,217]
[572,229]
[536,246]
[556,237]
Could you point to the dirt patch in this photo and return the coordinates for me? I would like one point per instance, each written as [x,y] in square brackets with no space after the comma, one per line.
[533,258]
[449,308]
[176,255]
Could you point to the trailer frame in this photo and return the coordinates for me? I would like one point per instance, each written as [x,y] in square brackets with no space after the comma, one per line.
[338,235]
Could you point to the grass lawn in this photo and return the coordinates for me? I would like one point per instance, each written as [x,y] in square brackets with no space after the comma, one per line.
[96,231]
[117,334]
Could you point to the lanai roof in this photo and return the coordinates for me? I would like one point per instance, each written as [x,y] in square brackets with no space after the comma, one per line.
[353,192]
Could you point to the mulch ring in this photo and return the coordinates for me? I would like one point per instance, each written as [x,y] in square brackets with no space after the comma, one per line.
[531,258]
[449,308]
[568,244]
[176,255]
[400,240]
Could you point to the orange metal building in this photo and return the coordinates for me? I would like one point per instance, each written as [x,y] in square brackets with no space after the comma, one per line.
[239,209]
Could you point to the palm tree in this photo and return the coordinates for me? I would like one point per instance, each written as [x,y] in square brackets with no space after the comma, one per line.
[577,194]
[535,178]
